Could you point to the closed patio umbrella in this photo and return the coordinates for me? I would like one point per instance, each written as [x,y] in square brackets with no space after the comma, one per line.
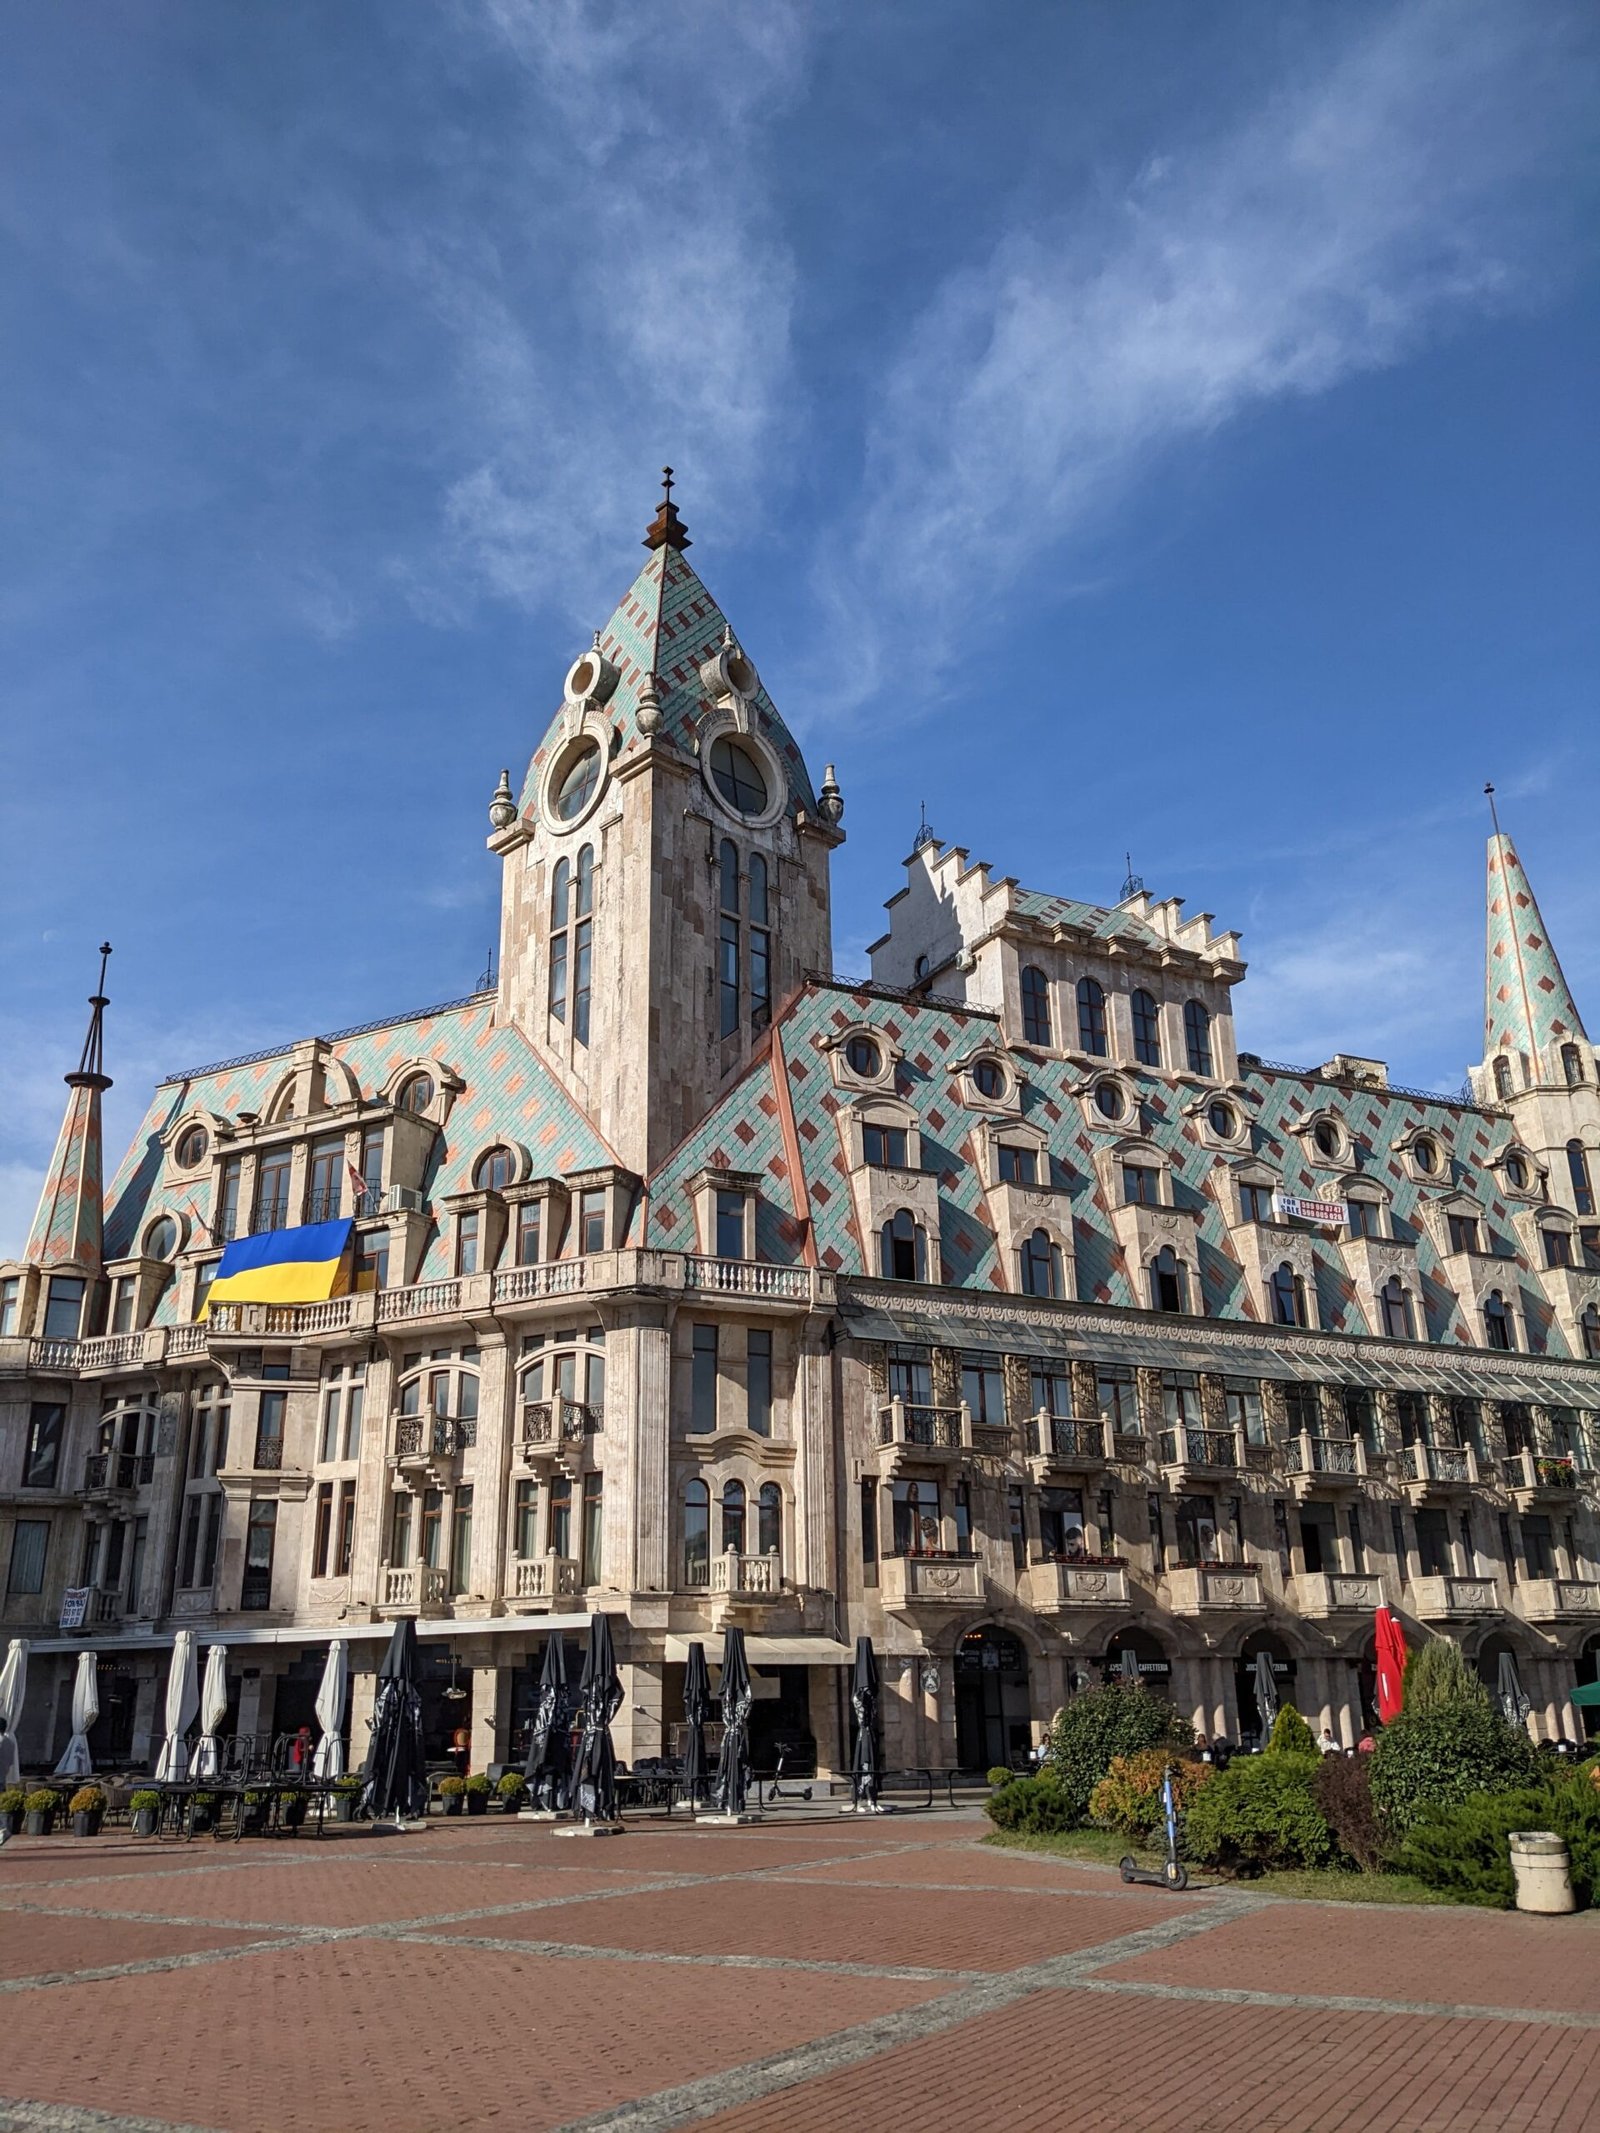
[594,1775]
[14,1683]
[733,1768]
[331,1697]
[183,1702]
[1391,1662]
[548,1769]
[1128,1667]
[696,1710]
[1509,1692]
[76,1761]
[1266,1693]
[206,1760]
[396,1770]
[864,1703]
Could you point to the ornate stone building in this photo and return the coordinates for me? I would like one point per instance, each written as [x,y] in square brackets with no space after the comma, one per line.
[998,1306]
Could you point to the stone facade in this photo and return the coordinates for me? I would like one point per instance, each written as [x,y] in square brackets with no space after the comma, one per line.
[998,1307]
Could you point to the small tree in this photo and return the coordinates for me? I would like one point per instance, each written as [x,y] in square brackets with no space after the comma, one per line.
[1291,1735]
[1438,1678]
[1100,1724]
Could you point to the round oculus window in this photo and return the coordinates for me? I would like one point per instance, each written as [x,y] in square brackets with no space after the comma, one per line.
[494,1170]
[1108,1099]
[161,1238]
[192,1145]
[1427,1157]
[989,1080]
[417,1093]
[1517,1171]
[863,1057]
[1326,1136]
[575,781]
[738,777]
[1221,1121]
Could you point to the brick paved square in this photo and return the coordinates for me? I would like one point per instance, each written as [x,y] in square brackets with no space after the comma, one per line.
[31,1946]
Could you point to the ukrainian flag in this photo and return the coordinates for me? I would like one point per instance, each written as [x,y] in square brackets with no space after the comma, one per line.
[283,1266]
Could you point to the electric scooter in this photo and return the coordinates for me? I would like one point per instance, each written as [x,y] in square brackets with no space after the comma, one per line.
[1172,1873]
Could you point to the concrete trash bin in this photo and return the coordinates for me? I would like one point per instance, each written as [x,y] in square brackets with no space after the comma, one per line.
[1539,1867]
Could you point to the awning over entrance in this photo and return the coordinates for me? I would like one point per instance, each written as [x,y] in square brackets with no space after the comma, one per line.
[770,1651]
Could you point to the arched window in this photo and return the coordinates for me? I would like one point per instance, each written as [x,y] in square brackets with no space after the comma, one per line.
[1288,1293]
[918,1529]
[904,1248]
[582,943]
[446,1384]
[560,919]
[728,945]
[1169,1286]
[1571,1065]
[1035,1006]
[417,1093]
[494,1170]
[863,1057]
[696,1534]
[1502,1075]
[737,776]
[733,1517]
[760,946]
[1497,1326]
[1041,1265]
[1395,1306]
[1589,1331]
[1146,1029]
[563,1383]
[1092,1017]
[1578,1171]
[1197,1035]
[769,1520]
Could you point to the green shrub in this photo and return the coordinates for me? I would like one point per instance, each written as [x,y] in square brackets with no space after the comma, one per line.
[1128,1798]
[1036,1807]
[451,1788]
[1290,1734]
[12,1800]
[353,1783]
[478,1782]
[1261,1812]
[512,1785]
[1000,1775]
[1443,1754]
[42,1801]
[1100,1724]
[145,1801]
[87,1800]
[1344,1793]
[1438,1678]
[1465,1850]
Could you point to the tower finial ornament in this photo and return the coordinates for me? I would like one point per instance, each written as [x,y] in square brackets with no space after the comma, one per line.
[666,529]
[1494,812]
[91,1063]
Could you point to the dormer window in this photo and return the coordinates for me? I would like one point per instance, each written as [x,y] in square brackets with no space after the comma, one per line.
[161,1238]
[1516,1172]
[903,1248]
[1366,1217]
[884,1147]
[469,1227]
[1018,1166]
[1146,1029]
[737,776]
[1464,1233]
[1169,1283]
[1557,1247]
[1035,1006]
[1394,1305]
[989,1079]
[863,1057]
[1498,1329]
[191,1149]
[731,1210]
[1040,1259]
[1109,1100]
[1141,1186]
[1197,1036]
[1092,1017]
[1327,1139]
[494,1170]
[1287,1293]
[529,1232]
[1425,1154]
[592,1220]
[1223,1120]
[1255,1202]
[417,1093]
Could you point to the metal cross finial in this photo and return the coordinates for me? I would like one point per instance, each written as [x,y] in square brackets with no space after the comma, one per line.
[666,483]
[1494,815]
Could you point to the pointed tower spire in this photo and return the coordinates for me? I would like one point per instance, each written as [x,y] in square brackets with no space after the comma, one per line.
[1528,1007]
[66,1229]
[666,529]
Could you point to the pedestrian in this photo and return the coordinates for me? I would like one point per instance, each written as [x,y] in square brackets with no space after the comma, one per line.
[1222,1751]
[1326,1741]
[1366,1744]
[1202,1749]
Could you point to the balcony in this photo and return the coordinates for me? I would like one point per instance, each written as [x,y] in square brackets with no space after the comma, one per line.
[1194,1456]
[250,1321]
[412,1589]
[1556,1599]
[1536,1479]
[746,1577]
[550,1427]
[1065,1444]
[749,1277]
[1198,1588]
[544,1581]
[425,1443]
[1425,1470]
[525,1284]
[909,1433]
[117,1473]
[1097,1582]
[1440,1597]
[1324,1466]
[908,1581]
[1319,1593]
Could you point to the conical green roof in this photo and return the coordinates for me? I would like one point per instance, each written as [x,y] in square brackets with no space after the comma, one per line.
[1528,1006]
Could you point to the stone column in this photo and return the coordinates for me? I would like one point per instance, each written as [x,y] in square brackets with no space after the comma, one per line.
[637,1728]
[491,1709]
[147,1714]
[363,1690]
[491,1463]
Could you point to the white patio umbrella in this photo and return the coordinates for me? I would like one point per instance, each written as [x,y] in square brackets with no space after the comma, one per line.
[1512,1697]
[330,1711]
[1128,1667]
[1266,1693]
[213,1710]
[76,1761]
[183,1702]
[14,1682]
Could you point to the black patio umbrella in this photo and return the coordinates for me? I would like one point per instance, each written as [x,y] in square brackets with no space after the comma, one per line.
[548,1769]
[733,1769]
[396,1769]
[593,1791]
[696,1710]
[864,1703]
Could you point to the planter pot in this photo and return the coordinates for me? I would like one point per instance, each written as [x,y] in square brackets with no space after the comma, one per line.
[201,1819]
[514,1803]
[255,1819]
[344,1806]
[451,1806]
[36,1824]
[144,1821]
[295,1815]
[477,1803]
[10,1822]
[88,1825]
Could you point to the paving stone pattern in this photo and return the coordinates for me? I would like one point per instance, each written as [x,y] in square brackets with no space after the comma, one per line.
[806,1976]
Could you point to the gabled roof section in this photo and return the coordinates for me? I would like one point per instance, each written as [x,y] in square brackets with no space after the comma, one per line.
[667,624]
[1528,1006]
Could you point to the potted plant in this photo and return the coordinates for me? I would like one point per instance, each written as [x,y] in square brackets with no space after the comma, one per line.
[346,1795]
[202,1812]
[12,1800]
[39,1810]
[477,1794]
[513,1790]
[87,1808]
[451,1792]
[254,1809]
[145,1808]
[293,1806]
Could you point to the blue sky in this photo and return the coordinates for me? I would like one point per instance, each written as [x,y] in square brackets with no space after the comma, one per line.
[1121,426]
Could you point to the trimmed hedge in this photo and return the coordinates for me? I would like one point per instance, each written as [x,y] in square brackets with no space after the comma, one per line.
[1100,1724]
[1261,1812]
[1464,1850]
[1031,1806]
[1344,1793]
[1437,1757]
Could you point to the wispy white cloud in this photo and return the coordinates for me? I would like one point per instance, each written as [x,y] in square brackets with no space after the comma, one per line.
[1357,213]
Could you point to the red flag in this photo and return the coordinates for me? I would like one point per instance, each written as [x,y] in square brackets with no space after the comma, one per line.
[1391,1666]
